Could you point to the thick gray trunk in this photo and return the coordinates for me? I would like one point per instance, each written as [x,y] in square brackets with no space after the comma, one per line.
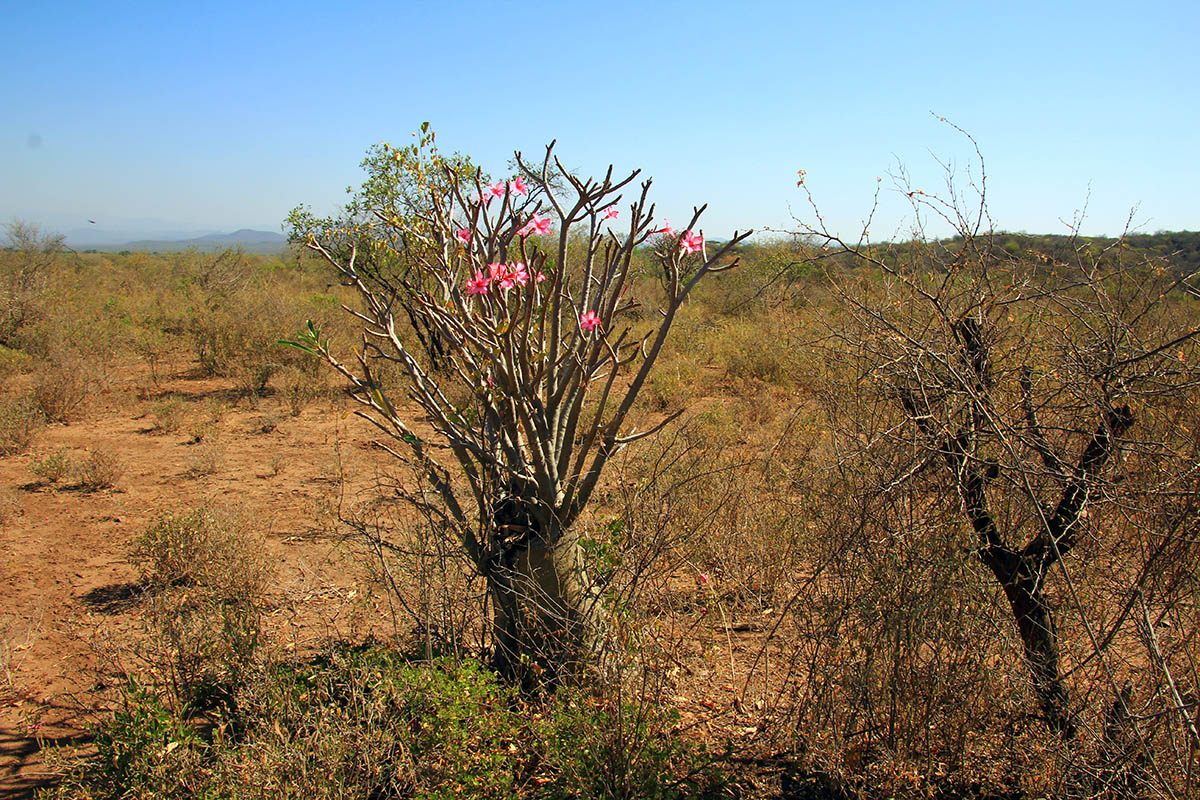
[548,613]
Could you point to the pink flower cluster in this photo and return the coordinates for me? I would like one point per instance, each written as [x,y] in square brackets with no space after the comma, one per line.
[505,276]
[517,186]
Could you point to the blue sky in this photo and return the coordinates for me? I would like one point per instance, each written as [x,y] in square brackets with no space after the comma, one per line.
[222,115]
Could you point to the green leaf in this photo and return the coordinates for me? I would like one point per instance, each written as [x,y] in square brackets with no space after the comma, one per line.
[307,340]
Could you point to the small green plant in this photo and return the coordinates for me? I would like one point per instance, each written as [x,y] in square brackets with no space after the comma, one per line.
[600,746]
[299,389]
[144,750]
[51,467]
[368,722]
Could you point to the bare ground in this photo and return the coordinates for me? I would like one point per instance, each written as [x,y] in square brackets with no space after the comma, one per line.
[68,588]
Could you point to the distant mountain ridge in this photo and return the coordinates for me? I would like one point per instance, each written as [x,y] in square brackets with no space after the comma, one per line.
[249,240]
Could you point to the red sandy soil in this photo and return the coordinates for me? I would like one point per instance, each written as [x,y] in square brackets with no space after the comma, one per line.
[68,590]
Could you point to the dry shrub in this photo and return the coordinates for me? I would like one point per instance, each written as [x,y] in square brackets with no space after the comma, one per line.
[205,459]
[299,387]
[169,415]
[17,634]
[236,335]
[753,350]
[100,469]
[673,386]
[26,265]
[151,344]
[14,362]
[729,514]
[61,388]
[20,420]
[435,595]
[267,423]
[994,598]
[208,545]
[206,577]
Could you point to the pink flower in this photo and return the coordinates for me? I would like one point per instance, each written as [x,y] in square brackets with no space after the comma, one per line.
[611,212]
[464,235]
[478,284]
[518,273]
[536,225]
[691,243]
[508,275]
[589,321]
[703,578]
[539,277]
[496,189]
[666,228]
[518,186]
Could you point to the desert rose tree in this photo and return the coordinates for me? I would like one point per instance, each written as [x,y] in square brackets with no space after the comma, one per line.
[529,284]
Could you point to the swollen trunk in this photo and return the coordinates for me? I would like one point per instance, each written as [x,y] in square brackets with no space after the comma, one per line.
[548,613]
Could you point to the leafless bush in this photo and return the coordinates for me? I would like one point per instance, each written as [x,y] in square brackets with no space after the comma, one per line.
[1035,418]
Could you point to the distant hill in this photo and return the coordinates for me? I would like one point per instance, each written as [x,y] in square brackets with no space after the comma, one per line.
[249,240]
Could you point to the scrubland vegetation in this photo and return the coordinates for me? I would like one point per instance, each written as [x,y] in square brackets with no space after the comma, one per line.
[911,520]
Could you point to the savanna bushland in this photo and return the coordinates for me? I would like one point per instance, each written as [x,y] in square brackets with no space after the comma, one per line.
[627,513]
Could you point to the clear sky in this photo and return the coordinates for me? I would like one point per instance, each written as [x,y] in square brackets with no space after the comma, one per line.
[222,115]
